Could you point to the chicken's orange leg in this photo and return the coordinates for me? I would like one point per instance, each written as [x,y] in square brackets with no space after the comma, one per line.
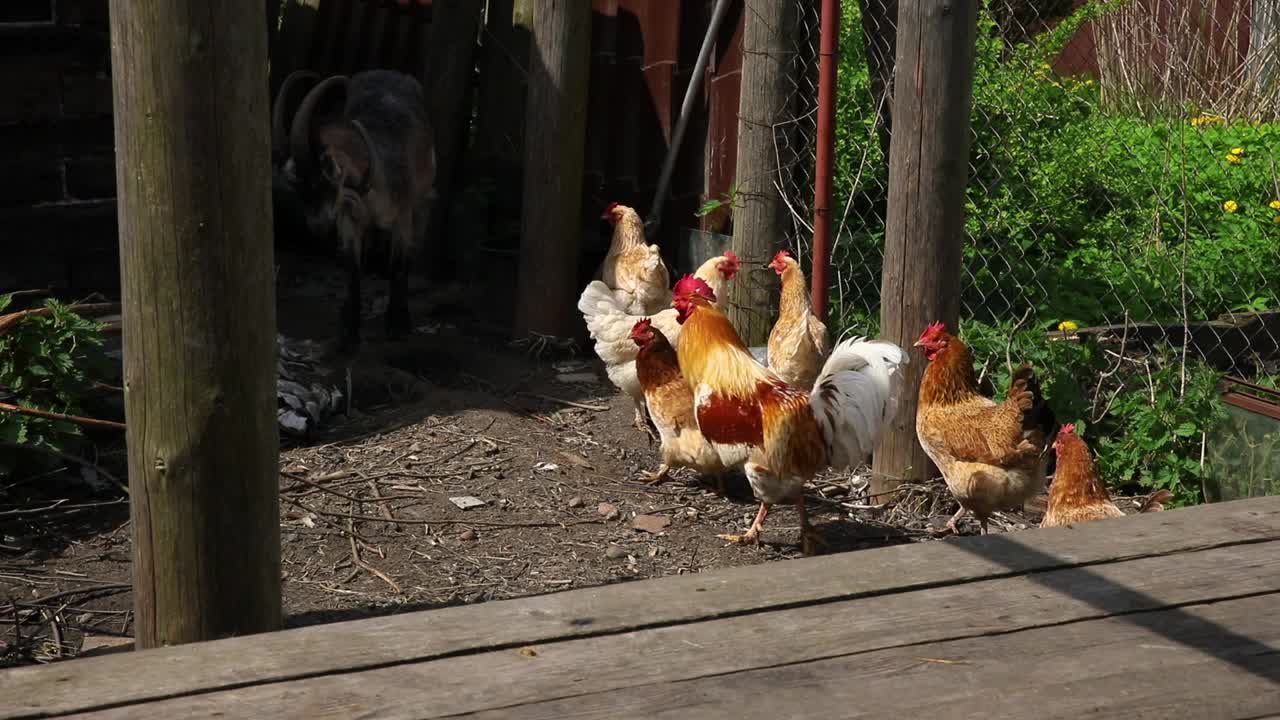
[752,535]
[809,538]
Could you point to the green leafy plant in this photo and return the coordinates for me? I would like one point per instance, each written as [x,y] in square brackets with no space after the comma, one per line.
[1154,432]
[1081,210]
[721,207]
[47,362]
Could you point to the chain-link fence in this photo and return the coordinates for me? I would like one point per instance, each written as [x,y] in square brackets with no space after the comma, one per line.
[1122,213]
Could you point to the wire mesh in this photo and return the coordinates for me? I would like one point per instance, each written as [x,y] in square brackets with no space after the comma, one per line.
[1122,212]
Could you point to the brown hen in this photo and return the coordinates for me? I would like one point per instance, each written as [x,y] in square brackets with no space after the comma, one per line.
[993,456]
[1077,494]
[798,343]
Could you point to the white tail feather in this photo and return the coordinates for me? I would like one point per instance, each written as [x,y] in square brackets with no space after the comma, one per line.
[610,326]
[855,396]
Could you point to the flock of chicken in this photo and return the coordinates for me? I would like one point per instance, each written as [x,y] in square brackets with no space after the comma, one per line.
[717,408]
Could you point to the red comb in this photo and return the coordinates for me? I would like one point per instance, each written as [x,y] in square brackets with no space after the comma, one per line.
[1068,429]
[933,329]
[608,211]
[642,324]
[692,285]
[781,254]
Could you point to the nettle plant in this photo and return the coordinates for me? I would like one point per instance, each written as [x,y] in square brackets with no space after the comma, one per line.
[47,362]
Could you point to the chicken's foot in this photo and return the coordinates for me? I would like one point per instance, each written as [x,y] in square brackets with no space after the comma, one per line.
[951,524]
[659,476]
[752,535]
[810,539]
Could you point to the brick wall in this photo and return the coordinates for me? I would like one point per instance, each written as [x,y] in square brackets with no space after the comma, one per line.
[57,175]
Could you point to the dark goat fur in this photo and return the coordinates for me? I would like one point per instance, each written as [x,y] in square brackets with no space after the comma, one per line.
[360,156]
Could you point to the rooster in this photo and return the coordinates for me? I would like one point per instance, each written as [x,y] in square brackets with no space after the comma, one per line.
[610,323]
[798,342]
[633,270]
[789,433]
[670,403]
[992,455]
[1077,494]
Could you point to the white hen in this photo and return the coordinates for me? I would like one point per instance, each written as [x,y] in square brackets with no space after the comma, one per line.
[610,324]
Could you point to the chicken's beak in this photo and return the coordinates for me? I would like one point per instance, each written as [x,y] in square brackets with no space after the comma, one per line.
[917,343]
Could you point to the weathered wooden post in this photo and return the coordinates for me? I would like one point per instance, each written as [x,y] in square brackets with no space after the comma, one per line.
[450,66]
[759,220]
[501,116]
[928,168]
[554,146]
[193,170]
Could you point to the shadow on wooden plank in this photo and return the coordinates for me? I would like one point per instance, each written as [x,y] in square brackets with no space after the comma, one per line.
[1174,625]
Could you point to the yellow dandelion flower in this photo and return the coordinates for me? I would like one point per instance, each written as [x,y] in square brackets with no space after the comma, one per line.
[1233,159]
[1206,120]
[1274,204]
[1089,81]
[1044,66]
[1237,151]
[1230,206]
[1068,326]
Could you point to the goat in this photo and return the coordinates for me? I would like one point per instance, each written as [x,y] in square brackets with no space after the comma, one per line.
[359,154]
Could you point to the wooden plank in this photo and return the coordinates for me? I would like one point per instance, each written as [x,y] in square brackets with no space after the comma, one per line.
[1207,661]
[598,667]
[373,642]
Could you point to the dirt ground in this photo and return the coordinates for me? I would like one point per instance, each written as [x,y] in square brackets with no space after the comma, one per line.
[371,520]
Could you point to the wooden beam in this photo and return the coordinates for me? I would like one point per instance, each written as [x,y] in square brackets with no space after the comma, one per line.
[759,220]
[555,144]
[1210,660]
[928,167]
[857,577]
[654,661]
[193,151]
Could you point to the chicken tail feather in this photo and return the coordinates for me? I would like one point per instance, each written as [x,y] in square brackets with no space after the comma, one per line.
[1155,501]
[855,395]
[1036,411]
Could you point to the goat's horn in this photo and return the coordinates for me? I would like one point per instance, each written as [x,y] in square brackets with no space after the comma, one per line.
[373,177]
[300,131]
[297,81]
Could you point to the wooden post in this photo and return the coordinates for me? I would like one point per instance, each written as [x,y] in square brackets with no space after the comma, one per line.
[556,121]
[450,67]
[193,174]
[759,220]
[506,52]
[928,167]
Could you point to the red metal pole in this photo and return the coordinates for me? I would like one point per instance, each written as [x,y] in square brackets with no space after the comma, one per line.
[827,49]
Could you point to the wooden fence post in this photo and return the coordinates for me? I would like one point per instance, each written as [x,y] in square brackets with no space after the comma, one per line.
[928,168]
[450,67]
[193,170]
[554,148]
[500,136]
[759,219]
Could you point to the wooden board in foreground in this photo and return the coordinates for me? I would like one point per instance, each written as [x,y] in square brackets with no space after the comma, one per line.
[621,637]
[588,675]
